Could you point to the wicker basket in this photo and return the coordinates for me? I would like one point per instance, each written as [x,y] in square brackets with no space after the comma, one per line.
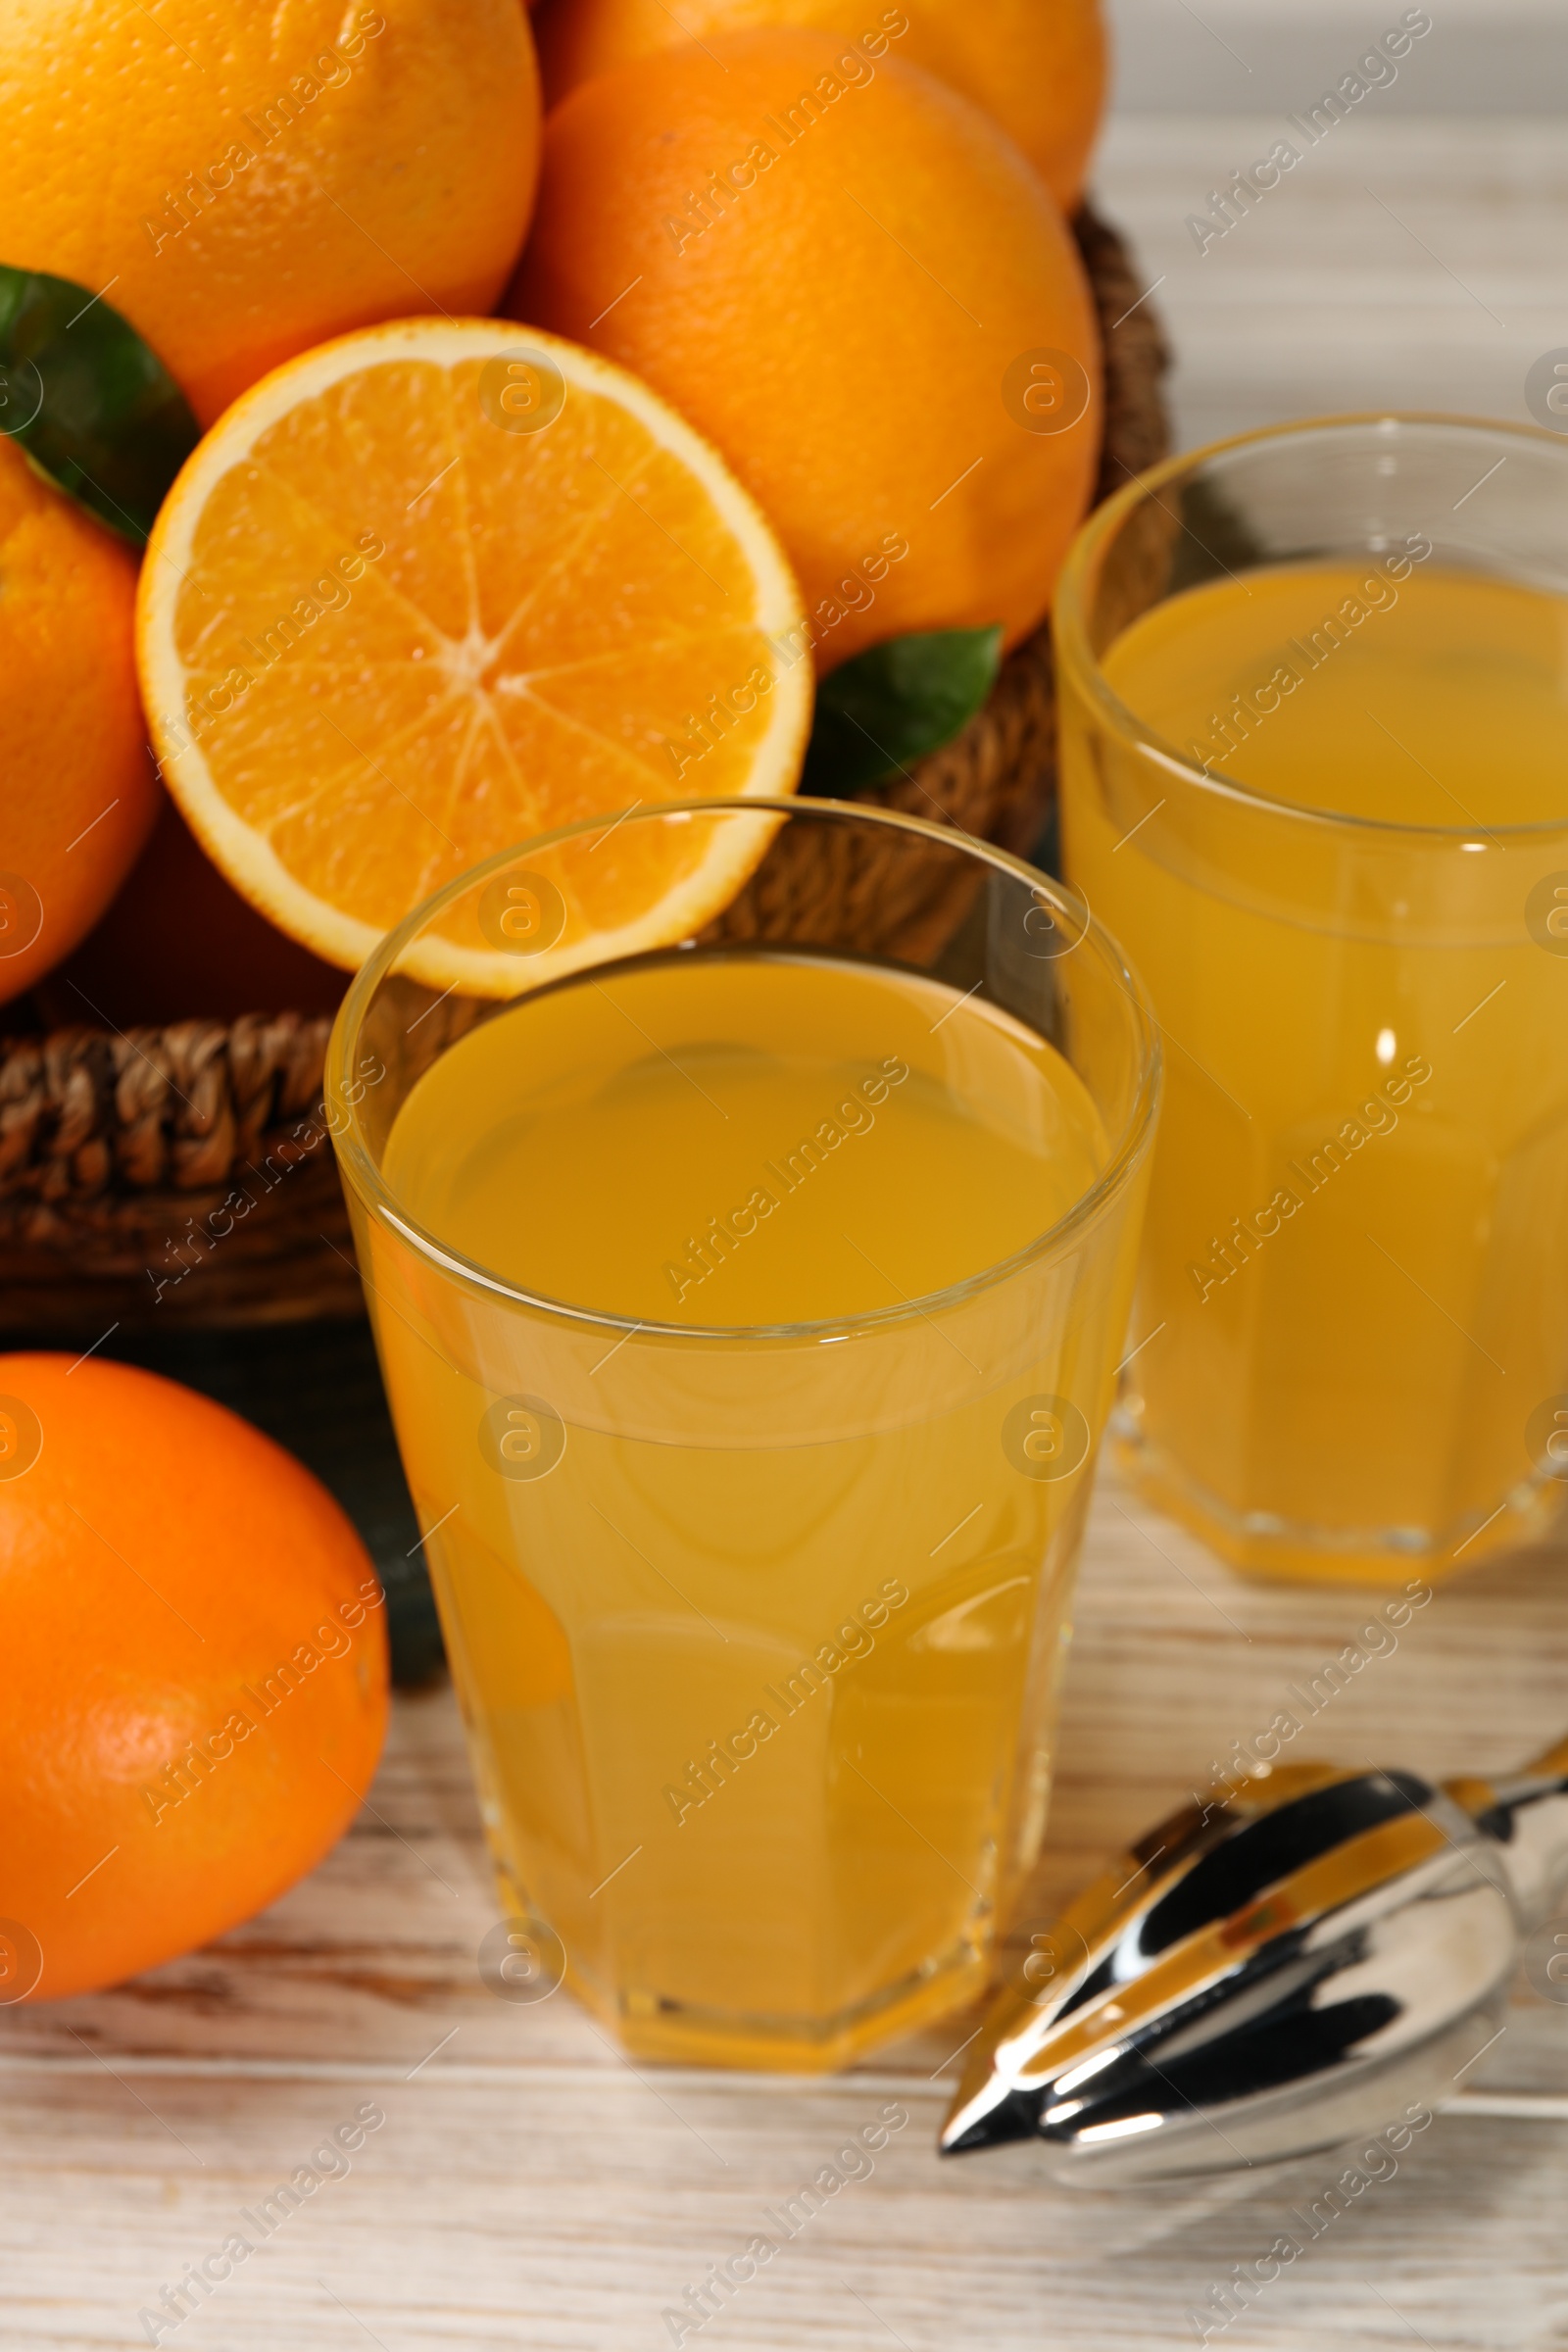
[185,1174]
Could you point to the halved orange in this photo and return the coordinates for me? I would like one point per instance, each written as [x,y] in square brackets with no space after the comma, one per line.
[439,586]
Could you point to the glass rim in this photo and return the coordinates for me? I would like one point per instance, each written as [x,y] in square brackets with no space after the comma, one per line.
[1071,634]
[357,1164]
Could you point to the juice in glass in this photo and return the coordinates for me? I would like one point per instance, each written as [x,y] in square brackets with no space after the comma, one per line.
[1324,798]
[751,1426]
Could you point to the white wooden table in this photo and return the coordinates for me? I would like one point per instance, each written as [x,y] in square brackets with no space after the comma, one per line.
[526,2189]
[1406,262]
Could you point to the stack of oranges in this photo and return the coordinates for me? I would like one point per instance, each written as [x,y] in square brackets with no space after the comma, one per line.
[547,463]
[803,360]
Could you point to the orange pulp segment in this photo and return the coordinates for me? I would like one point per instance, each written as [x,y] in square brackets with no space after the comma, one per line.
[438,587]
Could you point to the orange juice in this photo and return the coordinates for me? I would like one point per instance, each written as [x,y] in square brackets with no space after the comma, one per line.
[751,1533]
[1354,1290]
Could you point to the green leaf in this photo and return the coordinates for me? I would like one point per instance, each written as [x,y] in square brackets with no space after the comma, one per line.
[895,703]
[92,405]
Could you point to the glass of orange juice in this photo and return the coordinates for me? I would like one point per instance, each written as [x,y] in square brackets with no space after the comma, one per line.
[1314,740]
[749,1280]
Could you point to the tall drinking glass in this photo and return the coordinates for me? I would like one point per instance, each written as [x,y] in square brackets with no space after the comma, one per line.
[749,1435]
[1314,740]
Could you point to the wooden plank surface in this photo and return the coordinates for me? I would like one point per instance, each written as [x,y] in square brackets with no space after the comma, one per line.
[526,2189]
[1412,262]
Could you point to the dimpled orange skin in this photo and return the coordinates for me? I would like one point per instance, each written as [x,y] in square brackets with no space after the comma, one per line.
[1038,66]
[159,1562]
[403,184]
[77,791]
[842,329]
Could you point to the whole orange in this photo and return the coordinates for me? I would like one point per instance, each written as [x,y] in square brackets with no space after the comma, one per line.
[244,182]
[844,274]
[1038,66]
[77,793]
[196,1672]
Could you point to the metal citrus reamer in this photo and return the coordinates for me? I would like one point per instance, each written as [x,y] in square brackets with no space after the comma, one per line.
[1271,1972]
